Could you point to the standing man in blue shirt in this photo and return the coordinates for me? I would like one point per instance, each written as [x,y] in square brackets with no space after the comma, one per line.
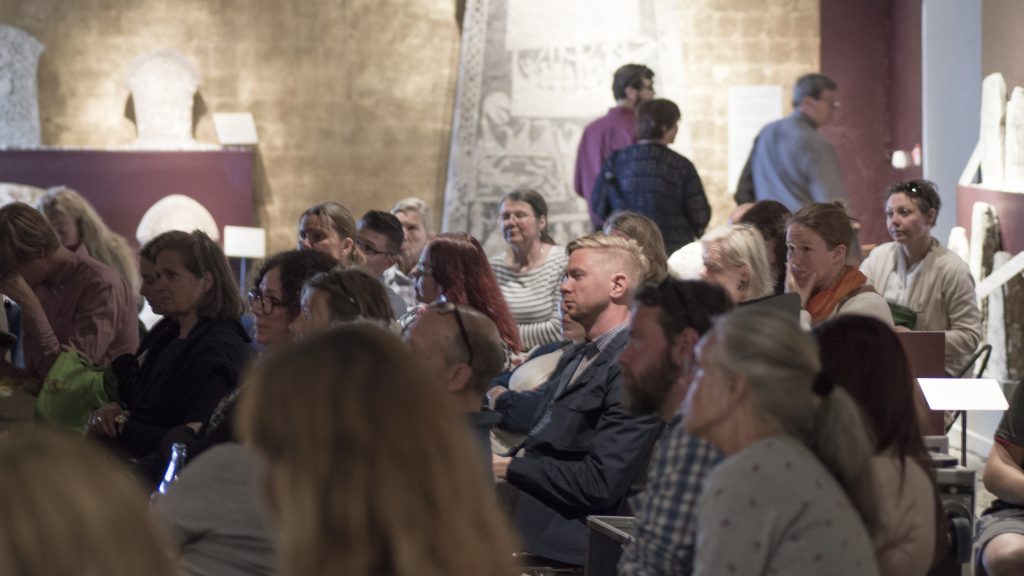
[791,162]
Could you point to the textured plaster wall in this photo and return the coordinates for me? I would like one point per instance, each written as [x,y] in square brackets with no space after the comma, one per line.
[352,98]
[735,42]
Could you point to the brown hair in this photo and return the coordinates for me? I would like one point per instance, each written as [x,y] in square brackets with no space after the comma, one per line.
[353,294]
[830,221]
[69,508]
[200,255]
[25,235]
[342,221]
[656,117]
[354,489]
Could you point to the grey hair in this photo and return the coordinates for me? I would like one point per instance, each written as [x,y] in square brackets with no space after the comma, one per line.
[812,85]
[742,246]
[780,363]
[418,205]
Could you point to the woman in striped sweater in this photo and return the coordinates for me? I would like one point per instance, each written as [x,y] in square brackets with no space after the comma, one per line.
[530,271]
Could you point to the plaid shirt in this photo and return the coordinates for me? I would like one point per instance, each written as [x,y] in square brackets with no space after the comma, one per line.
[666,509]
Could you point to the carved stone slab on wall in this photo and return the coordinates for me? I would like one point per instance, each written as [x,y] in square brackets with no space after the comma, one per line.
[1013,171]
[533,74]
[19,105]
[163,84]
[993,114]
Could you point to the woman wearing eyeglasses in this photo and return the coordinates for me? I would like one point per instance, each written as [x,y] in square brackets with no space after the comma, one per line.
[190,359]
[453,266]
[530,271]
[927,286]
[276,300]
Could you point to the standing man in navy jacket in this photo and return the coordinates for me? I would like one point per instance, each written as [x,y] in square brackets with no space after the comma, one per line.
[584,454]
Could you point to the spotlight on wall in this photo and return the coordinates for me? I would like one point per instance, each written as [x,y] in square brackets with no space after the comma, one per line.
[244,242]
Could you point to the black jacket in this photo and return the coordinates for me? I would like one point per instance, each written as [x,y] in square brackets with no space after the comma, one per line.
[586,460]
[164,392]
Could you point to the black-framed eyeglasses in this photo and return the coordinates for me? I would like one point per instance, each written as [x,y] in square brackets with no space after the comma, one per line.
[262,304]
[369,250]
[443,306]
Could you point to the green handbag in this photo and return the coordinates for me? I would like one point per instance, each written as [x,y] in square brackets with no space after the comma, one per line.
[902,315]
[73,388]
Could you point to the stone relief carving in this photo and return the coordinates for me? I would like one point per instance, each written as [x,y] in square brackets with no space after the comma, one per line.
[12,192]
[1013,172]
[993,114]
[163,84]
[533,73]
[19,106]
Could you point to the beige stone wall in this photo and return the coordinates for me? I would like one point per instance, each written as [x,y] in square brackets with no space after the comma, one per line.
[737,42]
[353,98]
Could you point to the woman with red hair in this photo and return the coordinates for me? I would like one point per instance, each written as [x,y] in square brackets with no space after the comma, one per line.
[454,266]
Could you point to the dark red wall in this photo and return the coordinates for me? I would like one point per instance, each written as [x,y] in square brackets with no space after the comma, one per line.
[872,48]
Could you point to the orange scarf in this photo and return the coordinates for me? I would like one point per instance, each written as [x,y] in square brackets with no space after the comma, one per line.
[823,303]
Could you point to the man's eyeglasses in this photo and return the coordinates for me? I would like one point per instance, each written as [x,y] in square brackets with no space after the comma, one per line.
[369,250]
[262,304]
[443,306]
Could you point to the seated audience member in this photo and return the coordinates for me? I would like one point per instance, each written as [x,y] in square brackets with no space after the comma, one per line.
[864,356]
[533,372]
[330,228]
[531,269]
[770,217]
[191,359]
[928,287]
[454,266]
[794,491]
[379,237]
[76,223]
[339,296]
[667,321]
[276,300]
[418,225]
[646,233]
[584,451]
[376,476]
[735,258]
[817,240]
[66,298]
[463,349]
[67,508]
[651,179]
[216,513]
[1000,542]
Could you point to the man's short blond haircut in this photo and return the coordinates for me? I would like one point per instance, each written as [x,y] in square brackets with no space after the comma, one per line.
[25,235]
[625,254]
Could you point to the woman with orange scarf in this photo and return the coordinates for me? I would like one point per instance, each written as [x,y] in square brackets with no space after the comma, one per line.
[817,240]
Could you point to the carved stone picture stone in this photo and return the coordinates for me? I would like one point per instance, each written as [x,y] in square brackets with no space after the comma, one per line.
[1014,169]
[163,84]
[993,115]
[19,106]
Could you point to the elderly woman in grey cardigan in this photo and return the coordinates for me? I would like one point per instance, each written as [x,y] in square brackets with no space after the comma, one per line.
[930,285]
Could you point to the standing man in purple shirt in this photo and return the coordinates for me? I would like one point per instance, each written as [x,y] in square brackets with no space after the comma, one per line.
[632,84]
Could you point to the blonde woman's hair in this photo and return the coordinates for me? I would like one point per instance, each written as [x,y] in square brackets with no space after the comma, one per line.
[647,234]
[626,252]
[372,470]
[781,363]
[68,508]
[742,246]
[103,244]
